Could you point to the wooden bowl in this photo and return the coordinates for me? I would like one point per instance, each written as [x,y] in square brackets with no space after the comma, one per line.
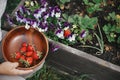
[15,37]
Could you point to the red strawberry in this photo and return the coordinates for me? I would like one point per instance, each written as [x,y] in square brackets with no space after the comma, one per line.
[29,53]
[37,55]
[23,49]
[24,44]
[67,32]
[17,55]
[30,48]
[22,57]
[29,60]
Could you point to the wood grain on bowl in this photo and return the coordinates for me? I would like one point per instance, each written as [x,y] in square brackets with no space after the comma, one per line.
[14,38]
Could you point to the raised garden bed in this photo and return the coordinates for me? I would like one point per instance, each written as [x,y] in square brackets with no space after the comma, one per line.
[103,40]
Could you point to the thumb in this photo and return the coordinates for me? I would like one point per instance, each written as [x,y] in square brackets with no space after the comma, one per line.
[15,64]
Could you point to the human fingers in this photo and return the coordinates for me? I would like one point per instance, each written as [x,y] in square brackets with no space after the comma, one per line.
[14,65]
[21,72]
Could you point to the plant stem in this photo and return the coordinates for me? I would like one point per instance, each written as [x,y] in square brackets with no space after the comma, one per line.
[101,41]
[91,47]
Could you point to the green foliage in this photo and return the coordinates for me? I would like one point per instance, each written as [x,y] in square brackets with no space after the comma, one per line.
[110,31]
[36,6]
[81,21]
[86,24]
[100,42]
[93,5]
[75,19]
[118,40]
[91,22]
[111,16]
[119,7]
[118,22]
[114,18]
[62,1]
[97,1]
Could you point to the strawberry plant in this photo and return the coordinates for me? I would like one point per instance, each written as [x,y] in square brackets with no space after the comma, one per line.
[93,5]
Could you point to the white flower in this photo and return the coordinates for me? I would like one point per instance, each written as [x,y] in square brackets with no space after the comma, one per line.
[35,25]
[43,30]
[57,15]
[37,15]
[72,38]
[46,16]
[66,28]
[74,26]
[32,3]
[52,13]
[60,34]
[27,26]
[43,10]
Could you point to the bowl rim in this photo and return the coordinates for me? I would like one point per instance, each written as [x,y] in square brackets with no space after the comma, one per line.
[41,61]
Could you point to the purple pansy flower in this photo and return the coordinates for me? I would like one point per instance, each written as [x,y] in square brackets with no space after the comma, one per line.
[66,24]
[60,33]
[9,20]
[38,13]
[83,34]
[43,27]
[45,15]
[54,47]
[57,9]
[24,10]
[57,12]
[44,3]
[19,17]
[72,37]
[34,23]
[52,11]
[28,20]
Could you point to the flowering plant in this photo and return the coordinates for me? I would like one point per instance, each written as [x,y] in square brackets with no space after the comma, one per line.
[51,21]
[40,15]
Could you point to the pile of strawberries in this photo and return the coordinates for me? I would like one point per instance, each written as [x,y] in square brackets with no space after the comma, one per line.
[27,55]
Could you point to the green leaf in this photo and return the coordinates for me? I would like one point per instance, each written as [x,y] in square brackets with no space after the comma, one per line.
[97,1]
[106,28]
[71,19]
[118,40]
[86,2]
[90,10]
[64,1]
[65,16]
[110,39]
[117,29]
[112,15]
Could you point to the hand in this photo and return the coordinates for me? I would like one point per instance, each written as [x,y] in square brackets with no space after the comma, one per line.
[9,68]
